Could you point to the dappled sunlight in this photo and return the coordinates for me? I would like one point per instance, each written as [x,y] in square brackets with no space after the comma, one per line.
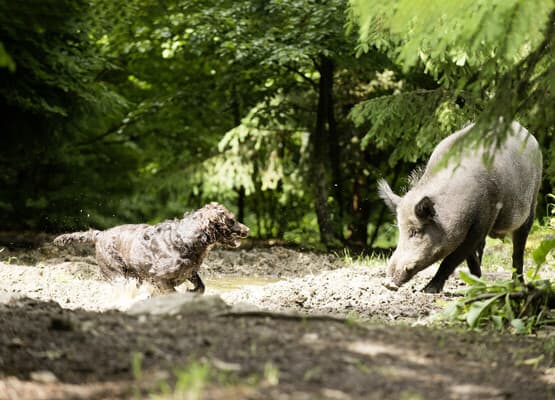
[72,285]
[316,279]
[225,284]
[549,376]
[373,349]
[39,387]
[406,365]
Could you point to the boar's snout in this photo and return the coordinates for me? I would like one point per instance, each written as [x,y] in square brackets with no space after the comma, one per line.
[389,284]
[399,272]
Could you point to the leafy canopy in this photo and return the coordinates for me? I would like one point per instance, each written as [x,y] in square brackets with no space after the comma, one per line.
[489,59]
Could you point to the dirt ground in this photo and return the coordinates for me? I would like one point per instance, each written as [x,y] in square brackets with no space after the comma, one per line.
[274,323]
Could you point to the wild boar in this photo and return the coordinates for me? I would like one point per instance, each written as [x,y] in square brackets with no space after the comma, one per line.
[448,212]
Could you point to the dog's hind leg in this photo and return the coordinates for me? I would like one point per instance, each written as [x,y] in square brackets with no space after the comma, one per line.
[197,283]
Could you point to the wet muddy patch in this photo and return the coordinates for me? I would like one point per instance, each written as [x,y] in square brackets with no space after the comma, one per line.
[274,323]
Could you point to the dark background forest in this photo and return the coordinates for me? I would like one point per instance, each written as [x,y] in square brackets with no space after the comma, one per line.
[287,112]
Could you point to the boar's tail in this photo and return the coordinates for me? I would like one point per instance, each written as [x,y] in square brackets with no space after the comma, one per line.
[80,237]
[387,195]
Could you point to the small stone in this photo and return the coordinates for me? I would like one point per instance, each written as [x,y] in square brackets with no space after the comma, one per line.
[179,304]
[43,377]
[16,342]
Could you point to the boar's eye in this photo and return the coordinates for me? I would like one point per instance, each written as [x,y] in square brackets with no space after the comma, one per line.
[413,232]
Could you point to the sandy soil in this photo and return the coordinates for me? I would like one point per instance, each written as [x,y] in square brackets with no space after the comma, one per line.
[275,323]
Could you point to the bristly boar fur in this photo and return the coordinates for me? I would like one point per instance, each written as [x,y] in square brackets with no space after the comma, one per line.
[447,214]
[165,254]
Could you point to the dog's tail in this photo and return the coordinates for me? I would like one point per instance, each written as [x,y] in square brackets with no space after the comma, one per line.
[79,237]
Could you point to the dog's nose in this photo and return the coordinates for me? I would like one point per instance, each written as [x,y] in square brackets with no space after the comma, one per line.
[240,229]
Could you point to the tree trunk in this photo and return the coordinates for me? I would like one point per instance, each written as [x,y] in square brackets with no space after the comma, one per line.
[241,204]
[360,209]
[334,147]
[319,152]
[241,196]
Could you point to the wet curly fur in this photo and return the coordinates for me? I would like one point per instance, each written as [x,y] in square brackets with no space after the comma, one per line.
[165,254]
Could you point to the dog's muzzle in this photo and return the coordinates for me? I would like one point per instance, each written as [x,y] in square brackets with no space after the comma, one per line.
[238,232]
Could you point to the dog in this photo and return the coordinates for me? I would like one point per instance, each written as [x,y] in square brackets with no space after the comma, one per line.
[166,254]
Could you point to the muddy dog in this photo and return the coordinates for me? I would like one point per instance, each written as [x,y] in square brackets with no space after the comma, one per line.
[165,254]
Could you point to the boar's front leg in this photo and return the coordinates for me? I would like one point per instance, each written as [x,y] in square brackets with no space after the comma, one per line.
[469,250]
[474,260]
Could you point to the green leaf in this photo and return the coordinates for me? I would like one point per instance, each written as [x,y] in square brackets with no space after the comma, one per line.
[540,254]
[452,310]
[497,322]
[5,59]
[507,308]
[477,310]
[471,279]
[519,326]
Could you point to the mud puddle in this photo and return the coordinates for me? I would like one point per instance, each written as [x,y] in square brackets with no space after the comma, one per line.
[229,283]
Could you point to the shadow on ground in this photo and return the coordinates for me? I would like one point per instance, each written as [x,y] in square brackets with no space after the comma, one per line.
[49,352]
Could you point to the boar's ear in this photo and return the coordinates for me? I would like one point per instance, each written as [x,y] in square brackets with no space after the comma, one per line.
[387,195]
[424,209]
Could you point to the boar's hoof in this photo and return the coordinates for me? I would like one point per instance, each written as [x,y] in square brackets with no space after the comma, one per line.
[432,288]
[388,283]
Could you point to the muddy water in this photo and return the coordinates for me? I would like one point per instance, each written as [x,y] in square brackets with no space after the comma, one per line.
[228,283]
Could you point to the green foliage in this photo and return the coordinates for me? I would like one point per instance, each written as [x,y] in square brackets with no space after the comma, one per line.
[193,381]
[256,65]
[486,60]
[499,53]
[506,304]
[140,110]
[361,259]
[53,104]
[453,33]
[542,251]
[510,304]
[190,383]
[430,116]
[5,59]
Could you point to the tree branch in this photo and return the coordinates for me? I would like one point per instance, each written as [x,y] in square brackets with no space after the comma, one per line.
[98,138]
[303,76]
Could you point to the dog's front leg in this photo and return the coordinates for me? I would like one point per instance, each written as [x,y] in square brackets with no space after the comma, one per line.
[197,283]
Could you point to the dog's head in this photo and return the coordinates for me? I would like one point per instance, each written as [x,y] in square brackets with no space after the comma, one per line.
[227,230]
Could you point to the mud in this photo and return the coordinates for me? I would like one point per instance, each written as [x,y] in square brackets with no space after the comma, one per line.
[292,325]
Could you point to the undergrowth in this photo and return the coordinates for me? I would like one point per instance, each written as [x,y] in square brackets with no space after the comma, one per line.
[369,260]
[505,305]
[511,305]
[196,378]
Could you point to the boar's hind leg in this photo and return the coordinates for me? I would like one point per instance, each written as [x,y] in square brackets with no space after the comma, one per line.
[519,241]
[474,260]
[471,248]
[197,283]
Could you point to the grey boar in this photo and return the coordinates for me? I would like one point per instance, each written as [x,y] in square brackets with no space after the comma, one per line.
[448,212]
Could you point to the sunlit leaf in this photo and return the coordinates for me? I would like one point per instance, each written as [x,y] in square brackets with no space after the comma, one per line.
[478,309]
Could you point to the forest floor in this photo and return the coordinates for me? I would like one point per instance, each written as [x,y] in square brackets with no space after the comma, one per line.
[274,323]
